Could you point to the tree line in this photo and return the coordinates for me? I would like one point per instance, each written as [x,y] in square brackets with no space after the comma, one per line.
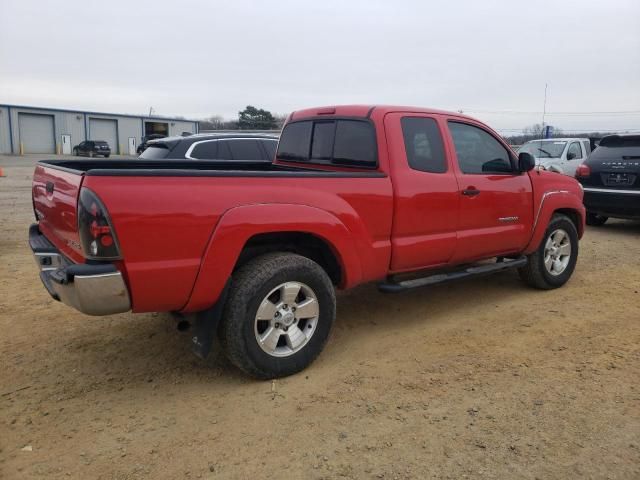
[251,118]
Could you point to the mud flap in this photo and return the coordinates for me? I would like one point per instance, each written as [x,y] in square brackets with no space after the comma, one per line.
[205,324]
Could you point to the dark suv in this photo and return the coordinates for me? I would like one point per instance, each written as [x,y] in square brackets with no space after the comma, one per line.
[611,179]
[215,146]
[93,148]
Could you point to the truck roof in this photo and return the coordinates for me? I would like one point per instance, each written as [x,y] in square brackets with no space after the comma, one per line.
[366,111]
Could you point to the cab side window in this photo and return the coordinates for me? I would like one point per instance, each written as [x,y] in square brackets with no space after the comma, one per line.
[575,151]
[423,144]
[478,151]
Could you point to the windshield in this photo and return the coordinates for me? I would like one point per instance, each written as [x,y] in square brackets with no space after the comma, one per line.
[544,149]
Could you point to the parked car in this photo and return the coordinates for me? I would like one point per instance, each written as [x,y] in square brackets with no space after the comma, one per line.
[561,155]
[215,146]
[92,148]
[146,139]
[405,197]
[611,179]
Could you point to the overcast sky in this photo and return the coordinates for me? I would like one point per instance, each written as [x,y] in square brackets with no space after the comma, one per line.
[199,58]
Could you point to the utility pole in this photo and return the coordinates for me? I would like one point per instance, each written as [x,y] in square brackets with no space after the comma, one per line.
[151,108]
[544,110]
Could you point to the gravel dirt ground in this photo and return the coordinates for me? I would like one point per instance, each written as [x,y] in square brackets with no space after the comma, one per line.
[478,379]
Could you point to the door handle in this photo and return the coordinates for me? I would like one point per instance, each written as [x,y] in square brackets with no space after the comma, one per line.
[470,192]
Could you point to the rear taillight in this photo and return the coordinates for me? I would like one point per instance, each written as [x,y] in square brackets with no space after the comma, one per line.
[583,171]
[97,236]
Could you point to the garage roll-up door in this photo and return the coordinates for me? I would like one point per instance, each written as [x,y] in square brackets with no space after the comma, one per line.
[36,133]
[107,130]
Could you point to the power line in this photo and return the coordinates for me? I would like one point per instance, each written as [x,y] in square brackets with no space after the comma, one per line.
[565,130]
[522,112]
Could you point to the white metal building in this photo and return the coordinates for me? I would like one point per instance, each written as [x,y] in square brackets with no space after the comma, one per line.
[52,130]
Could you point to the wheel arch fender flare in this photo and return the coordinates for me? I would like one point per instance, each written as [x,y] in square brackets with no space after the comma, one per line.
[239,224]
[551,202]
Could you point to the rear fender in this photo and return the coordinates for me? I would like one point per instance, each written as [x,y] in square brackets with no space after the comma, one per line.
[239,224]
[553,201]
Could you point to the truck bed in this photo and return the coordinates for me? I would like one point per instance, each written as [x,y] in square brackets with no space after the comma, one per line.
[194,168]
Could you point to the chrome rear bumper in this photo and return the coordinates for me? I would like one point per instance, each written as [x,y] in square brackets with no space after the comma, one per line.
[93,289]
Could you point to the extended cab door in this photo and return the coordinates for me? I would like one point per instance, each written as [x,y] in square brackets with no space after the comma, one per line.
[496,204]
[426,198]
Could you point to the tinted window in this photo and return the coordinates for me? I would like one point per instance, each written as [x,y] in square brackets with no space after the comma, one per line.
[295,141]
[270,147]
[322,142]
[223,151]
[355,143]
[423,144]
[477,151]
[205,151]
[575,149]
[155,151]
[101,143]
[244,149]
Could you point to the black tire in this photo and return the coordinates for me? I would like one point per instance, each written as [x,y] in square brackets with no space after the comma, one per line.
[250,285]
[535,273]
[595,220]
[107,156]
[75,152]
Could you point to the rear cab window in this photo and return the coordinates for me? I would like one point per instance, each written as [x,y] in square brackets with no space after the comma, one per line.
[423,144]
[337,141]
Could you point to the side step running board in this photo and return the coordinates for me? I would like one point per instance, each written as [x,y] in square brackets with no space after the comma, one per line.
[395,287]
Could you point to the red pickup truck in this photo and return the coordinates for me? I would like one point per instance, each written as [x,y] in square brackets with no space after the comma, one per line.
[403,196]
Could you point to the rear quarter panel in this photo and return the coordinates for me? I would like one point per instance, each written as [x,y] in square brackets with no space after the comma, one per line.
[165,226]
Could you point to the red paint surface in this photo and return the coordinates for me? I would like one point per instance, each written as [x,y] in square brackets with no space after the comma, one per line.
[180,237]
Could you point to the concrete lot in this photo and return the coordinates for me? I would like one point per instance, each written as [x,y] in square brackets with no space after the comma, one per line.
[479,379]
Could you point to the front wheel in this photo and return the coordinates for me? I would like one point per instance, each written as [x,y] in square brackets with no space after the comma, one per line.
[552,264]
[278,315]
[596,220]
[75,152]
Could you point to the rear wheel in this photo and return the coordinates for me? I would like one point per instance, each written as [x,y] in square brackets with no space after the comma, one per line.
[278,315]
[552,264]
[596,220]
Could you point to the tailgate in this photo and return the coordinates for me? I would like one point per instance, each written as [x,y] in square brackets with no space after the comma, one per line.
[55,198]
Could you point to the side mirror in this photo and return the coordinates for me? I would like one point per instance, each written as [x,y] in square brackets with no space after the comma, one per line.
[571,156]
[526,162]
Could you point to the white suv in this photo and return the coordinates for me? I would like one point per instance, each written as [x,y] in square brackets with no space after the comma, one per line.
[562,155]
